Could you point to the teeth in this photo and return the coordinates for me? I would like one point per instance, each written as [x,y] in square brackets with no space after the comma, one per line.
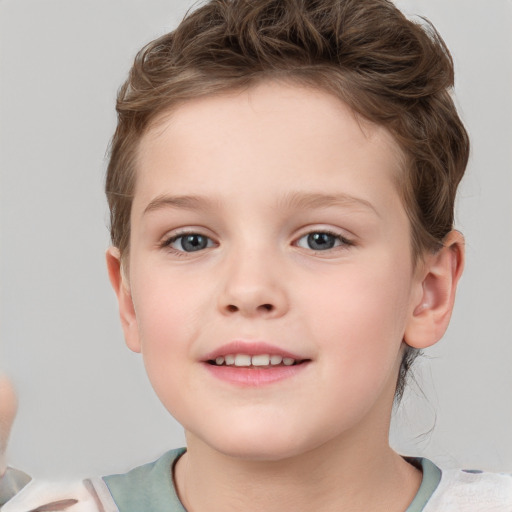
[242,360]
[261,360]
[275,359]
[257,360]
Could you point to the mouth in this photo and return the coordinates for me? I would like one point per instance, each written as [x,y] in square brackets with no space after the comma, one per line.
[255,361]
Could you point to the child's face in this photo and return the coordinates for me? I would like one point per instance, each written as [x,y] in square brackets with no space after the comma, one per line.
[298,245]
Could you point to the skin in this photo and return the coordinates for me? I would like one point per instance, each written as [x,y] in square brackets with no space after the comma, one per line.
[8,407]
[263,167]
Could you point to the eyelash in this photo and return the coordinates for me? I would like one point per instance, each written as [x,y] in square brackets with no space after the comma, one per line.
[344,243]
[166,243]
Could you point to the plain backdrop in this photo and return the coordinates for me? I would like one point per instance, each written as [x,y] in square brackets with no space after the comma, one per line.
[86,406]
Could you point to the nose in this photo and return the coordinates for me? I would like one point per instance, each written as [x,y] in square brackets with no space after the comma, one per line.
[253,286]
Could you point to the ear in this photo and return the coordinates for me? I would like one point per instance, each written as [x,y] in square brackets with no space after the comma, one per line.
[121,287]
[437,282]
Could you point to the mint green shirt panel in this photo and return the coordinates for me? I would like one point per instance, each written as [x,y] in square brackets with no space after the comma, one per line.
[147,488]
[151,487]
[429,482]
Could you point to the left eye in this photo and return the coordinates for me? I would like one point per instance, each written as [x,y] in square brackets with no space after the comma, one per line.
[190,242]
[321,241]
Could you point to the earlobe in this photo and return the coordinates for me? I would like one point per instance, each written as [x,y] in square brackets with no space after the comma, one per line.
[124,298]
[437,284]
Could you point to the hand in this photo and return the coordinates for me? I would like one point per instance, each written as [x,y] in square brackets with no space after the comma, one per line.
[8,407]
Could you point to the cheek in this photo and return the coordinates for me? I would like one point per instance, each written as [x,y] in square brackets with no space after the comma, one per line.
[164,326]
[167,313]
[362,333]
[363,316]
[165,302]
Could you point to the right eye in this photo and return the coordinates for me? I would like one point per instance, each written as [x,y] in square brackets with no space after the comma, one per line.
[189,242]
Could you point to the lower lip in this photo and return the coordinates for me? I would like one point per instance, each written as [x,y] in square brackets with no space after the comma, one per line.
[253,377]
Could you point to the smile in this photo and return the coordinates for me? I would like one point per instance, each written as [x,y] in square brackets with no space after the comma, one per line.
[254,364]
[257,361]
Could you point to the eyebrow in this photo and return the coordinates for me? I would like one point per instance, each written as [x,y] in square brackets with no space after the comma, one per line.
[311,200]
[185,202]
[292,200]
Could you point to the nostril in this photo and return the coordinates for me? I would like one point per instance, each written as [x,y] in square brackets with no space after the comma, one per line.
[231,308]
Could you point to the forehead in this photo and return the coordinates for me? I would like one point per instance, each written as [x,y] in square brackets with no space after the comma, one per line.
[274,126]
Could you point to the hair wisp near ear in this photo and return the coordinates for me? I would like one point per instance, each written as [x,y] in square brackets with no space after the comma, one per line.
[440,275]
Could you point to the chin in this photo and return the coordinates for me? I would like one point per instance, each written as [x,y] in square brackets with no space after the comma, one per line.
[265,452]
[251,443]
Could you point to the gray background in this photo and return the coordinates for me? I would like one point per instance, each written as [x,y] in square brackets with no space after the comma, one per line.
[86,405]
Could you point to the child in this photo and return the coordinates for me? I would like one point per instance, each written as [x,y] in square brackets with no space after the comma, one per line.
[281,187]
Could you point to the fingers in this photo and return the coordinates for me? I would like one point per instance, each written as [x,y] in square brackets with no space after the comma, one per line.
[8,407]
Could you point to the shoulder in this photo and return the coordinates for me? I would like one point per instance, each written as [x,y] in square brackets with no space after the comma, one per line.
[147,487]
[472,491]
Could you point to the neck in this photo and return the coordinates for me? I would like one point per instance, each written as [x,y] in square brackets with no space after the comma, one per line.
[339,475]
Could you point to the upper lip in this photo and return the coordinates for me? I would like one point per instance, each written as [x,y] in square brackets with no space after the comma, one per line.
[251,348]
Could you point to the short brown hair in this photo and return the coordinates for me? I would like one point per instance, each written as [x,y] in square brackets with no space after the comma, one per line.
[391,71]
